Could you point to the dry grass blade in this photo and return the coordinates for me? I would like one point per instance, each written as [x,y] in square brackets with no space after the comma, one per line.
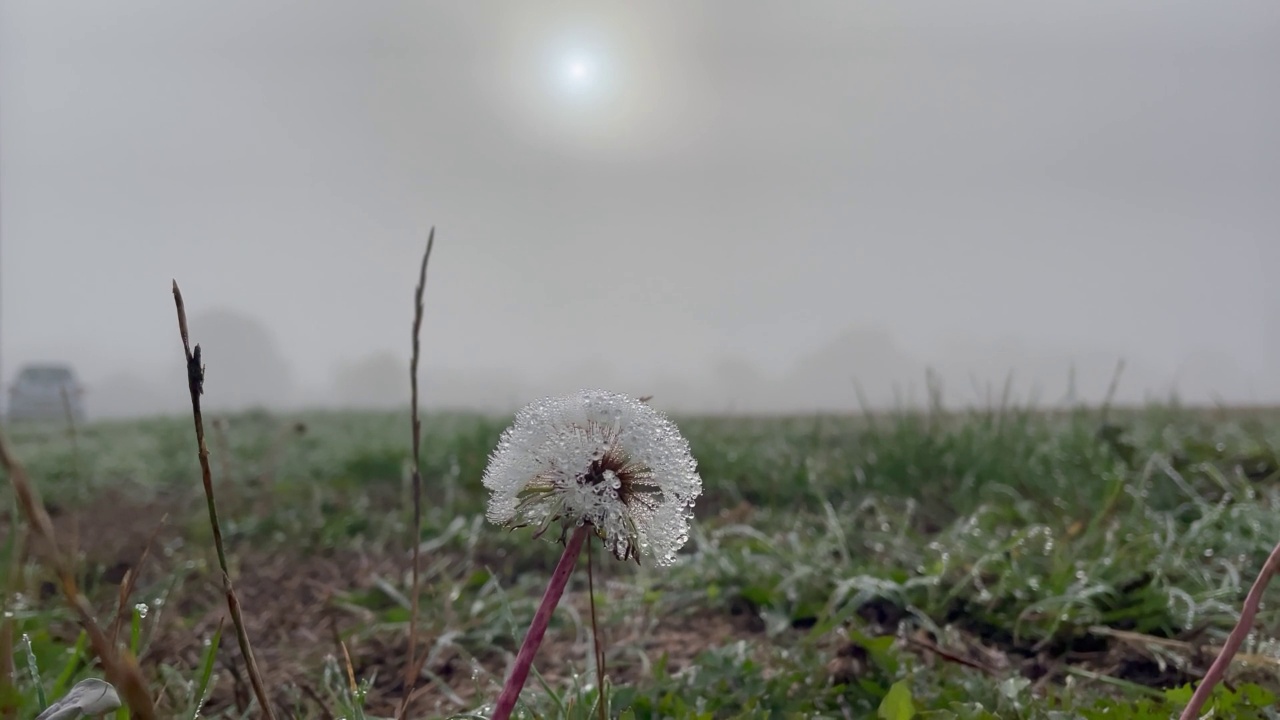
[195,384]
[131,581]
[9,696]
[319,702]
[120,667]
[8,693]
[71,429]
[928,646]
[597,646]
[412,667]
[1141,640]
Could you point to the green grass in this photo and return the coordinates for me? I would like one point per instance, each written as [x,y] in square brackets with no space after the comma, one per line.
[994,564]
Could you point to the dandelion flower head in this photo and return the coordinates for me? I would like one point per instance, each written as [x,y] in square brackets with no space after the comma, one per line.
[601,458]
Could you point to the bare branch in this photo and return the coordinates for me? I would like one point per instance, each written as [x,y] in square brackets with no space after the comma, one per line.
[413,667]
[195,384]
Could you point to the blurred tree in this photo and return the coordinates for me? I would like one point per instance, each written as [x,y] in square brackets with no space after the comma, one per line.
[380,380]
[246,368]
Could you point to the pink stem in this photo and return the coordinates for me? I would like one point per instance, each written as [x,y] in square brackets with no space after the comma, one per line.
[1235,639]
[538,628]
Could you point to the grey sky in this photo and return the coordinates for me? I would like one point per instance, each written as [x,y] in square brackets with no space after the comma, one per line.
[741,180]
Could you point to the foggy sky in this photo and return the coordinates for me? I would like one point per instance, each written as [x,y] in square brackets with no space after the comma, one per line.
[976,187]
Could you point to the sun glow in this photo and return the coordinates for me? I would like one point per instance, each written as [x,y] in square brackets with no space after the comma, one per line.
[595,79]
[579,72]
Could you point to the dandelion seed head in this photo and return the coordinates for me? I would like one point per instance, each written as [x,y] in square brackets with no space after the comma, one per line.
[596,457]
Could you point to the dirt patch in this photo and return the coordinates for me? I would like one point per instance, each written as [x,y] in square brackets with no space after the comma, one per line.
[107,536]
[295,625]
[980,645]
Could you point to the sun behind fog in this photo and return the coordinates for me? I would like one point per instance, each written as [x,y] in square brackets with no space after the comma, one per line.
[578,71]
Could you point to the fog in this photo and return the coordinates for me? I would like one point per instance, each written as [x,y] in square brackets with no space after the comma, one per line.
[734,207]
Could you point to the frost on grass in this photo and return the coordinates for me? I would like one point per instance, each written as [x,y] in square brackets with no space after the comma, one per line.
[601,458]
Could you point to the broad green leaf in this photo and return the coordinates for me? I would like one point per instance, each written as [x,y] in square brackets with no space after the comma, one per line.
[897,704]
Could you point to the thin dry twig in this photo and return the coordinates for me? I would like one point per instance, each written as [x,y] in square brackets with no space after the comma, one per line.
[412,668]
[71,429]
[238,692]
[131,580]
[224,451]
[9,703]
[949,656]
[1247,614]
[1114,386]
[195,384]
[319,701]
[1181,646]
[347,666]
[8,692]
[596,645]
[119,665]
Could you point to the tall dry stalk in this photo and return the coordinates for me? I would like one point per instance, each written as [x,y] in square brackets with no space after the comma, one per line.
[10,701]
[8,692]
[597,646]
[71,429]
[413,667]
[119,665]
[195,384]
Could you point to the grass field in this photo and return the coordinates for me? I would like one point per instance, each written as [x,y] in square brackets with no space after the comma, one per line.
[1003,563]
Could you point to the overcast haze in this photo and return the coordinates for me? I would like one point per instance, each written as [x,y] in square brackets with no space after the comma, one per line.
[735,206]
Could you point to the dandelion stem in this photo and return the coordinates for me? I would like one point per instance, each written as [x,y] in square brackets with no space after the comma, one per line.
[538,628]
[1218,669]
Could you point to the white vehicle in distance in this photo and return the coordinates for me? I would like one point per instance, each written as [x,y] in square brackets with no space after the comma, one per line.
[46,391]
